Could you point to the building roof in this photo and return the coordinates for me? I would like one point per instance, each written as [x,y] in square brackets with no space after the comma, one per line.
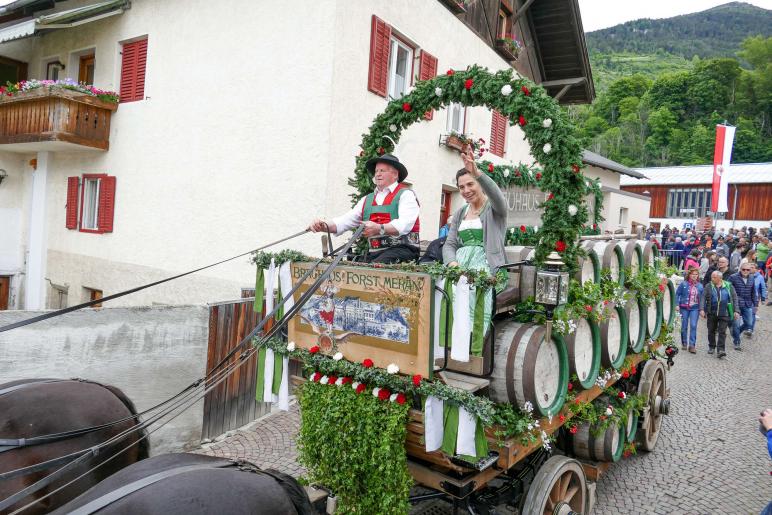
[591,158]
[701,174]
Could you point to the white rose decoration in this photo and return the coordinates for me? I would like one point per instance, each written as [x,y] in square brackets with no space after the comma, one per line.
[609,411]
[354,385]
[506,90]
[572,210]
[393,397]
[338,356]
[547,148]
[392,368]
[324,380]
[438,91]
[547,123]
[506,173]
[393,128]
[376,390]
[339,381]
[291,346]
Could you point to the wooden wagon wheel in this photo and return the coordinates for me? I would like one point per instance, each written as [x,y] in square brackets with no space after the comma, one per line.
[652,384]
[559,487]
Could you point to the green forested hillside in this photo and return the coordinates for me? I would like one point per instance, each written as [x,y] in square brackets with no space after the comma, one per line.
[663,85]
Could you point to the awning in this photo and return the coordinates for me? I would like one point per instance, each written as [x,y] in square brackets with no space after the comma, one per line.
[63,19]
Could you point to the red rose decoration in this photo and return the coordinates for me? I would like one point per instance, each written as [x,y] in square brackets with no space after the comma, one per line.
[577,402]
[381,150]
[573,430]
[538,175]
[314,349]
[621,395]
[401,398]
[407,107]
[518,174]
[332,379]
[626,374]
[383,394]
[521,120]
[468,83]
[588,308]
[605,302]
[315,377]
[360,388]
[550,196]
[449,73]
[633,370]
[575,168]
[490,167]
[570,386]
[560,245]
[594,226]
[562,418]
[522,228]
[367,363]
[662,287]
[417,379]
[347,380]
[525,90]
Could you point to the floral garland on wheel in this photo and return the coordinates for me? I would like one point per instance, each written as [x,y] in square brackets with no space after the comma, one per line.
[549,132]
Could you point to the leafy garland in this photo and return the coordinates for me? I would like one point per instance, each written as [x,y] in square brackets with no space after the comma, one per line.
[374,433]
[263,259]
[649,284]
[550,134]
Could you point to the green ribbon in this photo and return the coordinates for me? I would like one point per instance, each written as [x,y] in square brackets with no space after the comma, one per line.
[448,287]
[450,429]
[478,326]
[278,368]
[260,372]
[259,288]
[279,296]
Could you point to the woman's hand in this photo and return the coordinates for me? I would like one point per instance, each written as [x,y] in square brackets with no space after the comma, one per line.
[469,165]
[453,263]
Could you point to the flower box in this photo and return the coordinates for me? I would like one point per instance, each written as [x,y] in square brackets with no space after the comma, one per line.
[455,6]
[509,48]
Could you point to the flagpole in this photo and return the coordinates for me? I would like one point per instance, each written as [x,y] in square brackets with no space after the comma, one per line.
[734,208]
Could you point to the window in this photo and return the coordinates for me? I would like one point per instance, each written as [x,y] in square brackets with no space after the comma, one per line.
[133,64]
[622,216]
[94,294]
[86,68]
[688,202]
[94,194]
[504,27]
[400,68]
[12,70]
[456,118]
[53,70]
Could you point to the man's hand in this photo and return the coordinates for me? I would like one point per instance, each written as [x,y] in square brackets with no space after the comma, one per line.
[737,316]
[317,225]
[371,229]
[766,419]
[702,314]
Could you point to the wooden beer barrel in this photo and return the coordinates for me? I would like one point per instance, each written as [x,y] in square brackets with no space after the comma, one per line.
[589,267]
[614,338]
[668,303]
[528,369]
[584,352]
[633,257]
[647,251]
[654,318]
[636,323]
[607,446]
[611,257]
[631,429]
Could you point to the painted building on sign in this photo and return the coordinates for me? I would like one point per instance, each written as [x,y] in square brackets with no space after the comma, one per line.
[682,195]
[195,165]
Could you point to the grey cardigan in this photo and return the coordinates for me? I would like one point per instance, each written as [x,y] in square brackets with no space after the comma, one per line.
[494,224]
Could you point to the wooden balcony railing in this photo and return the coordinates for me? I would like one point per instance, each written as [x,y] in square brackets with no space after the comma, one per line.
[54,119]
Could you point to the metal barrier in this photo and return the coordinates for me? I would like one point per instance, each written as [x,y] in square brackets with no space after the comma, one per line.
[674,257]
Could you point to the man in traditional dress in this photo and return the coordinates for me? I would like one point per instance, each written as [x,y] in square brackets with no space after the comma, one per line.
[389,214]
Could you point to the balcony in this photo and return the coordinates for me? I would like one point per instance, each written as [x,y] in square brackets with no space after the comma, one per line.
[54,119]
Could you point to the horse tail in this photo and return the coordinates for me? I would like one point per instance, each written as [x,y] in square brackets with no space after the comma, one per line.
[144,442]
[294,491]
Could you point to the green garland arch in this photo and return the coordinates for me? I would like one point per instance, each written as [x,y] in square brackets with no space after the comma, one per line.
[550,134]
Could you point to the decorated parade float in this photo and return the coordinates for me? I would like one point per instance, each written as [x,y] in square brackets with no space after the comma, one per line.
[402,383]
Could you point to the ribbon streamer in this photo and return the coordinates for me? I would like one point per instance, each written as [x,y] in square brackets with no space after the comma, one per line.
[438,319]
[284,387]
[467,428]
[268,372]
[461,323]
[434,410]
[270,283]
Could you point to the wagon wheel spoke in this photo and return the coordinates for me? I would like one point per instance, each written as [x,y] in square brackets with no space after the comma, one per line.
[564,482]
[571,493]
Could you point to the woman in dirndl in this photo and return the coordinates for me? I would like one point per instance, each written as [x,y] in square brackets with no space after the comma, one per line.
[476,237]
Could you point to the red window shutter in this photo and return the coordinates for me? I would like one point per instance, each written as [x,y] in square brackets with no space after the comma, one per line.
[133,63]
[427,69]
[106,203]
[498,133]
[380,43]
[72,203]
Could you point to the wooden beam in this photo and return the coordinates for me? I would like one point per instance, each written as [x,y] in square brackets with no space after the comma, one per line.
[522,10]
[563,82]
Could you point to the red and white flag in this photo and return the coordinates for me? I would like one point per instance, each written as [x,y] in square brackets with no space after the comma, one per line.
[722,155]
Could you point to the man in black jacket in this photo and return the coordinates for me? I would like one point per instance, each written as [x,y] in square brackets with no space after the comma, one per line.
[717,303]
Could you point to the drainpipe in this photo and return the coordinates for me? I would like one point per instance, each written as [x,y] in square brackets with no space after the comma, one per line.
[35,290]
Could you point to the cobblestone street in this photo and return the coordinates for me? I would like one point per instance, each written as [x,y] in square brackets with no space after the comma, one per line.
[710,457]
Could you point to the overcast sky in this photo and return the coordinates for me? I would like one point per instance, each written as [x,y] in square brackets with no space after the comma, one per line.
[599,14]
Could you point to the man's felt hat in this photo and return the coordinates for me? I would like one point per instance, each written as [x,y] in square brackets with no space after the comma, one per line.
[390,160]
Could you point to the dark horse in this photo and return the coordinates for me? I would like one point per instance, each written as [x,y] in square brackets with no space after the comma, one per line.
[193,484]
[50,406]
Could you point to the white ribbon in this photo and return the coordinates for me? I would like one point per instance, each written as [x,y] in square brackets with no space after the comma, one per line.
[467,425]
[270,281]
[462,328]
[438,350]
[284,387]
[268,377]
[285,280]
[433,423]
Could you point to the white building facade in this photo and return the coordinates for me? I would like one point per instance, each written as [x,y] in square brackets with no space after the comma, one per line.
[246,129]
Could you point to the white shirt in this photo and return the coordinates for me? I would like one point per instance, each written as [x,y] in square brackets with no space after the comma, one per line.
[408,212]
